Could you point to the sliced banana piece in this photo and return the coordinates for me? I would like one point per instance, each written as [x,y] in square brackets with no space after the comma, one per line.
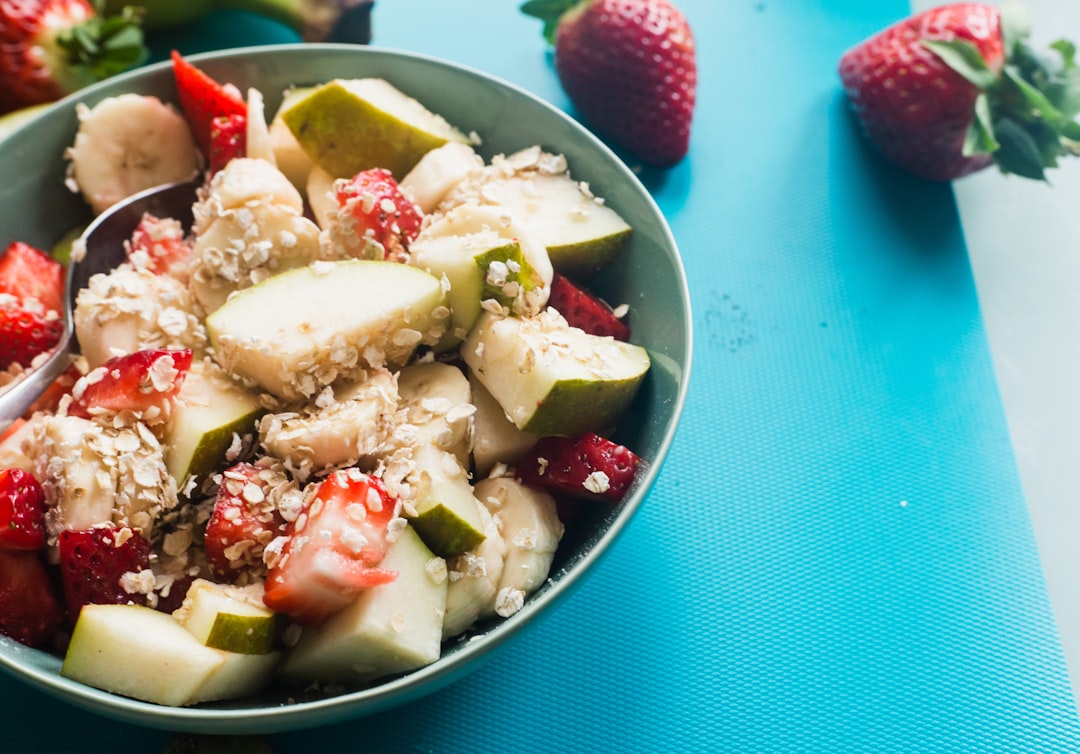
[529,526]
[438,172]
[126,144]
[321,198]
[473,579]
[259,145]
[336,430]
[437,407]
[241,182]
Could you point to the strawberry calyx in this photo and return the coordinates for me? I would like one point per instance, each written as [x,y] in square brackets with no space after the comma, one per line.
[551,12]
[1024,115]
[102,45]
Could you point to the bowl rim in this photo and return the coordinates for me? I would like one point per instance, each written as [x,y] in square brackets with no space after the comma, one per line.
[427,679]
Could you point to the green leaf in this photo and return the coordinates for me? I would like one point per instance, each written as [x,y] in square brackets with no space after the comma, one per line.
[1068,52]
[964,58]
[1035,99]
[1019,152]
[550,12]
[980,134]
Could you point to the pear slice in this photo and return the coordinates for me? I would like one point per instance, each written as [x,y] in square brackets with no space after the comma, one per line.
[229,618]
[474,579]
[301,330]
[390,628]
[581,233]
[437,401]
[553,379]
[290,157]
[209,414]
[145,654]
[496,439]
[444,509]
[351,125]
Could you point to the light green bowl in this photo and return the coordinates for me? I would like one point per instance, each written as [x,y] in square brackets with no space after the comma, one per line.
[36,207]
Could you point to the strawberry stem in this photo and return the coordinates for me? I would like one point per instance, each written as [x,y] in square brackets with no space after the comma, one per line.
[550,12]
[104,46]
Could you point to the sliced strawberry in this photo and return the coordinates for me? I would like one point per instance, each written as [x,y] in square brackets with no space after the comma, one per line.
[144,382]
[49,400]
[228,140]
[93,563]
[333,550]
[22,511]
[588,467]
[202,99]
[24,334]
[380,212]
[30,612]
[243,522]
[29,273]
[12,428]
[159,245]
[584,310]
[170,599]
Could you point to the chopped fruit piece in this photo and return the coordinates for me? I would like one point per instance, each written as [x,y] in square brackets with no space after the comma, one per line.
[585,311]
[103,565]
[374,209]
[143,382]
[228,140]
[244,521]
[14,427]
[25,334]
[589,467]
[159,245]
[49,400]
[29,273]
[202,99]
[333,549]
[29,609]
[22,511]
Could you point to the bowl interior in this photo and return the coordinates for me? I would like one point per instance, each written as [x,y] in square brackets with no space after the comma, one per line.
[38,209]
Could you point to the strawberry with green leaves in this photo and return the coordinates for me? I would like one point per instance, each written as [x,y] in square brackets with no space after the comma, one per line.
[50,48]
[630,69]
[954,89]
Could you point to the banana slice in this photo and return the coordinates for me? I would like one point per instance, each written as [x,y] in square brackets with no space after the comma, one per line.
[530,528]
[242,182]
[320,193]
[259,144]
[126,144]
[438,172]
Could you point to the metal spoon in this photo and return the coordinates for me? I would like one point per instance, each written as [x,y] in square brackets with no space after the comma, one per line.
[103,241]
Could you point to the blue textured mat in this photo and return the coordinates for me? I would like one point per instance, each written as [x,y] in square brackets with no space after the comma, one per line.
[837,556]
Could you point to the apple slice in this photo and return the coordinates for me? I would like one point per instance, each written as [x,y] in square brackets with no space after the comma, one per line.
[390,628]
[230,618]
[299,331]
[550,378]
[209,413]
[444,512]
[581,233]
[351,125]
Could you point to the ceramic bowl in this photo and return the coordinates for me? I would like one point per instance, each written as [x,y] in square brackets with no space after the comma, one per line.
[36,207]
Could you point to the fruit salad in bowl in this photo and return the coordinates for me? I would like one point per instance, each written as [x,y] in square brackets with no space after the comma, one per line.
[402,373]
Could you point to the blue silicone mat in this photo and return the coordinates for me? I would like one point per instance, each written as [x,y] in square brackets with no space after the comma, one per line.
[837,555]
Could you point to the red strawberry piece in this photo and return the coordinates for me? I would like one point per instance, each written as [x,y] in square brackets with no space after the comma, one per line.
[159,245]
[589,467]
[49,48]
[49,400]
[584,310]
[24,334]
[97,564]
[243,522]
[941,94]
[630,69]
[379,211]
[228,140]
[29,273]
[333,549]
[30,612]
[12,429]
[22,511]
[202,99]
[170,598]
[144,382]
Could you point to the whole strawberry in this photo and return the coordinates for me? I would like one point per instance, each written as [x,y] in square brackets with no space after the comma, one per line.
[630,69]
[50,48]
[954,89]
